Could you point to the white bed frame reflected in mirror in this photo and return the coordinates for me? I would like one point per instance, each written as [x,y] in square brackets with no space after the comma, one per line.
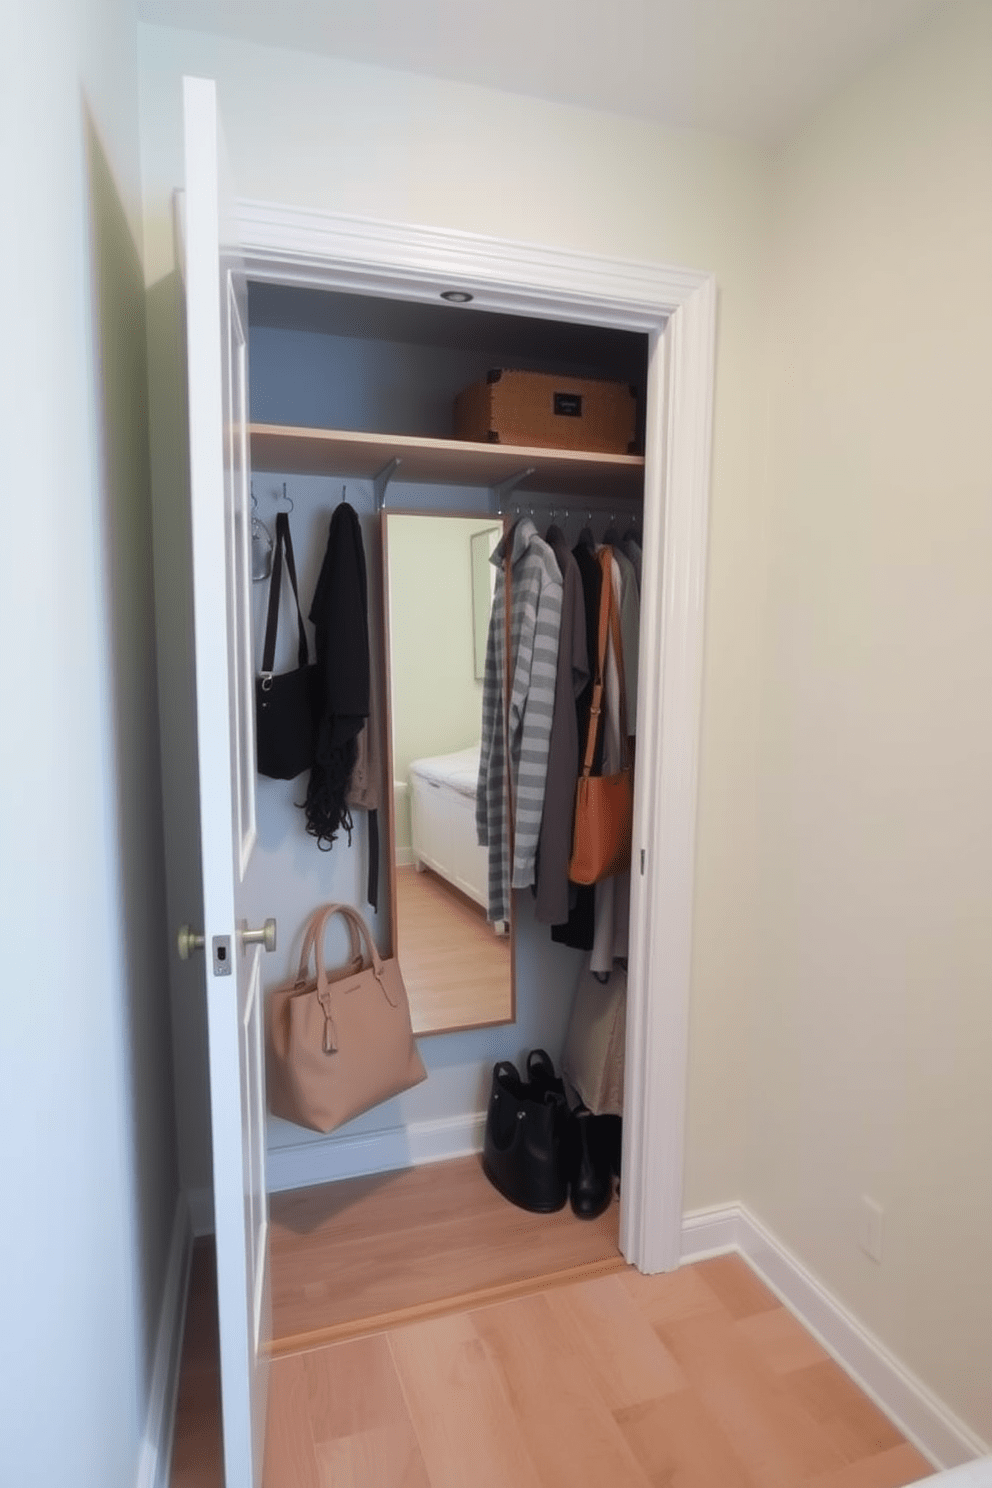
[437,591]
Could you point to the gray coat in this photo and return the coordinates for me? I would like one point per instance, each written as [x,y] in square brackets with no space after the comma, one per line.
[516,730]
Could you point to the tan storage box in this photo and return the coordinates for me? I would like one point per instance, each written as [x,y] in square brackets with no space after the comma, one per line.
[549,412]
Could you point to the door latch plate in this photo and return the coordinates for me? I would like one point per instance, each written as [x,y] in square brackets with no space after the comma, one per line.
[222,955]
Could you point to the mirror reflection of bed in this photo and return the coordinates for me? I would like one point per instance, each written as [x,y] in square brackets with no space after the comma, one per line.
[457,967]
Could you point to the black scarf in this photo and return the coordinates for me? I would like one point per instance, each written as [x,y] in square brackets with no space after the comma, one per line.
[341,623]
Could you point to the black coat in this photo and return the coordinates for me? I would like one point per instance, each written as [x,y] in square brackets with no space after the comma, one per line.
[580,928]
[341,624]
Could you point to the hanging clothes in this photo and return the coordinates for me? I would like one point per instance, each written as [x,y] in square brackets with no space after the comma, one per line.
[630,630]
[552,899]
[340,616]
[364,792]
[578,930]
[516,728]
[612,907]
[632,547]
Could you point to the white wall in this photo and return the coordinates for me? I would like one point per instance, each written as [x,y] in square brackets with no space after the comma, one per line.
[871,1030]
[313,131]
[89,1174]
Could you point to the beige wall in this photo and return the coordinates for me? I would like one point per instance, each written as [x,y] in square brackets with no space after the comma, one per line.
[314,131]
[871,1030]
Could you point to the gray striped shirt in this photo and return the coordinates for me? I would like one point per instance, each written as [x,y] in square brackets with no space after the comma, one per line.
[521,727]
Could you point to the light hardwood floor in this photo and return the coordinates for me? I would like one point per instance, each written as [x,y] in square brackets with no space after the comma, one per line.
[697,1379]
[369,1252]
[457,970]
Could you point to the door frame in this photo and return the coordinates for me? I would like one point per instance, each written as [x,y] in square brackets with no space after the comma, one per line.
[676,308]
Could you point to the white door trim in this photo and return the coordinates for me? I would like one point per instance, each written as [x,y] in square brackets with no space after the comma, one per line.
[677,308]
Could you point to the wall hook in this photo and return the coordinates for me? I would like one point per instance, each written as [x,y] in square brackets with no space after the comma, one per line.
[261,544]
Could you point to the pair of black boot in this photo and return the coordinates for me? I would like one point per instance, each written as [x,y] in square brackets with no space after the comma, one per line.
[540,1154]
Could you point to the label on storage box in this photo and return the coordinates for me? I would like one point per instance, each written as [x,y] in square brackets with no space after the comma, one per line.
[568,405]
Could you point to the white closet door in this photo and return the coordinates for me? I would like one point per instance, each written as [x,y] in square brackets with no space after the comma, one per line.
[216,320]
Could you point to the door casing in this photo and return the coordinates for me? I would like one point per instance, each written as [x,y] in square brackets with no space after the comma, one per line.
[676,308]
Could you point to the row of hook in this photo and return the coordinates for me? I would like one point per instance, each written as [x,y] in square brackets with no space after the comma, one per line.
[262,545]
[566,513]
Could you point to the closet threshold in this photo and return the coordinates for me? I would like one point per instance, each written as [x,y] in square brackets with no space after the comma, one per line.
[365,1254]
[289,450]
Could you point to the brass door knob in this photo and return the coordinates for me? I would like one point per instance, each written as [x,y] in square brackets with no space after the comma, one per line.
[265,937]
[188,941]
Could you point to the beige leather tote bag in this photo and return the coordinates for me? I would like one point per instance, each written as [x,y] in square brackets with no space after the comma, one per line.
[339,1042]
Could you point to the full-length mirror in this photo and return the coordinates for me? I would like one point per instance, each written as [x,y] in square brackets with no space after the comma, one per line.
[438,591]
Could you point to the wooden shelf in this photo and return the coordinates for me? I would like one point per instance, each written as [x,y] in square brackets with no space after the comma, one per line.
[447,462]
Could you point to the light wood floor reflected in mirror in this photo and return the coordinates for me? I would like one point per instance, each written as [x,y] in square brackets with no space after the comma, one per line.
[458,969]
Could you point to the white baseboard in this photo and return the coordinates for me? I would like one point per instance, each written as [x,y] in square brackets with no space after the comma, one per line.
[923,1419]
[155,1461]
[305,1163]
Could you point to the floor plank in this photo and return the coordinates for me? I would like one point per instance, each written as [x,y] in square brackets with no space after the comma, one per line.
[569,1432]
[464,1422]
[776,1441]
[290,1456]
[731,1279]
[781,1341]
[678,1442]
[359,1421]
[890,1469]
[618,1347]
[854,1424]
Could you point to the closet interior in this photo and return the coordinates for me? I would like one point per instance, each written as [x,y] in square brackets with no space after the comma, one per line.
[351,400]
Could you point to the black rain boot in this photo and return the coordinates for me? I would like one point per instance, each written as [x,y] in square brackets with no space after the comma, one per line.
[591,1186]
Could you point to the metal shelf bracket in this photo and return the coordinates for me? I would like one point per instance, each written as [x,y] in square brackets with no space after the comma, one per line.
[506,487]
[381,481]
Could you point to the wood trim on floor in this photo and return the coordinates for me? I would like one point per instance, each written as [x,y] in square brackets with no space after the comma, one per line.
[464,1301]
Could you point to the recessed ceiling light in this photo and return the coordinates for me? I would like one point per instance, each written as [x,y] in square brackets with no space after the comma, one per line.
[456,296]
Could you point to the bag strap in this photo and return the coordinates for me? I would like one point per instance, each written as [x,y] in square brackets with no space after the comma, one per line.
[283,540]
[596,703]
[315,927]
[606,561]
[361,938]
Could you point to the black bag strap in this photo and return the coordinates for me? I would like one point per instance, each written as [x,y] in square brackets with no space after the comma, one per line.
[283,540]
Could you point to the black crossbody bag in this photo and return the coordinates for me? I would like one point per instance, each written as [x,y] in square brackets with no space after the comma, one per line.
[286,703]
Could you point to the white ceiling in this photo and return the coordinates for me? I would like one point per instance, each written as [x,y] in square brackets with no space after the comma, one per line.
[748,67]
